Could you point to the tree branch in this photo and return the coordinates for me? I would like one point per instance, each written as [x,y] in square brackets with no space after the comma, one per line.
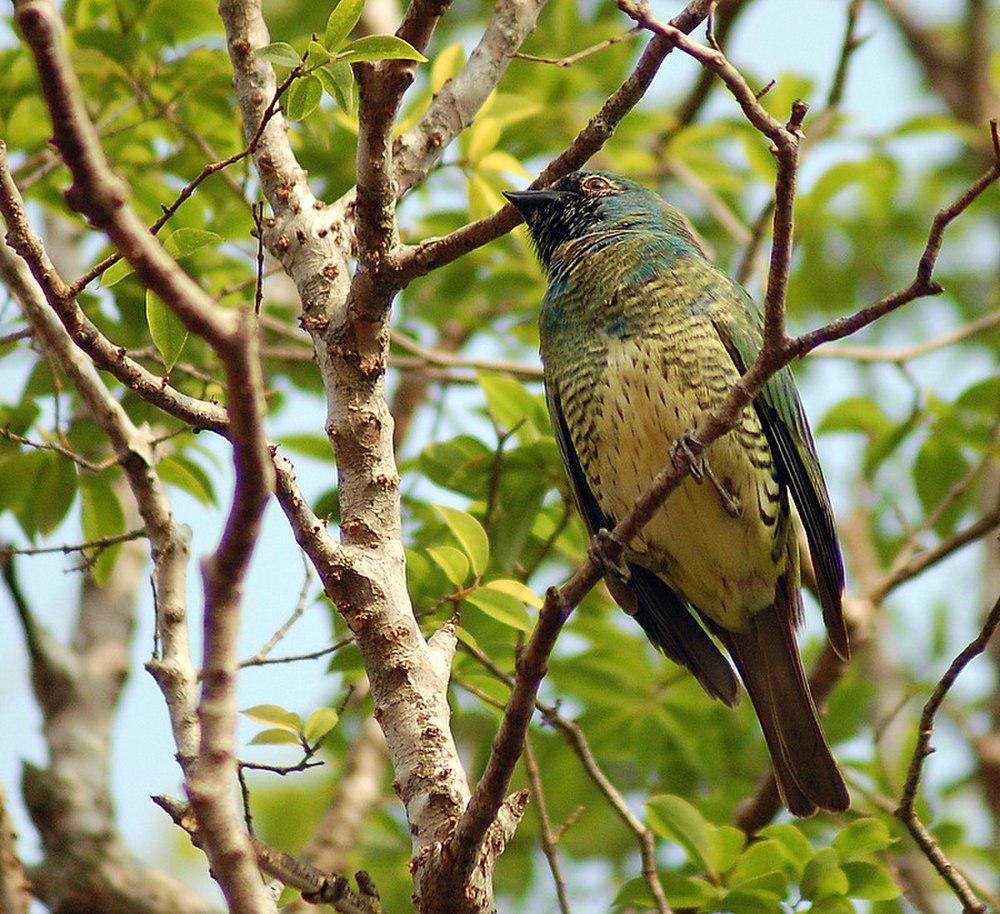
[322,888]
[906,810]
[99,194]
[419,259]
[78,692]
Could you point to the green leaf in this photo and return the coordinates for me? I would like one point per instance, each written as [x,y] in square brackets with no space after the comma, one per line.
[856,414]
[302,97]
[677,820]
[725,844]
[862,837]
[280,52]
[506,609]
[469,533]
[870,880]
[466,637]
[517,590]
[341,23]
[338,81]
[168,333]
[512,405]
[186,241]
[315,446]
[53,491]
[482,138]
[178,470]
[115,273]
[379,47]
[634,894]
[275,737]
[938,466]
[101,515]
[453,562]
[688,892]
[793,841]
[823,877]
[760,859]
[318,55]
[275,715]
[319,723]
[833,904]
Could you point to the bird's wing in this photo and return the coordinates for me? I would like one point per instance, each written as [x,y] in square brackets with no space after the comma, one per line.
[666,619]
[739,324]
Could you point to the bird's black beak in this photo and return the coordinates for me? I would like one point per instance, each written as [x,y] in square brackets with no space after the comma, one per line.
[531,201]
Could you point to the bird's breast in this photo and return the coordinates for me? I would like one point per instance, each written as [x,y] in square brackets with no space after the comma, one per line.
[719,542]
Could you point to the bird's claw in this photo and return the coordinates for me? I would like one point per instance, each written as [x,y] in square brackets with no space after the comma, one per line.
[603,548]
[685,446]
[700,470]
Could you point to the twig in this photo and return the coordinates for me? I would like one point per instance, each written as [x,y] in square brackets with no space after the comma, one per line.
[78,459]
[906,811]
[322,888]
[188,190]
[429,356]
[419,259]
[295,658]
[258,297]
[906,354]
[545,827]
[99,194]
[260,657]
[15,336]
[571,59]
[85,334]
[97,546]
[923,560]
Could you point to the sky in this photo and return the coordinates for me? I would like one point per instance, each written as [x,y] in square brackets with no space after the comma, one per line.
[777,35]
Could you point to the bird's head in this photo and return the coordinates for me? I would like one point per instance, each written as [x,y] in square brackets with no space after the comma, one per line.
[596,203]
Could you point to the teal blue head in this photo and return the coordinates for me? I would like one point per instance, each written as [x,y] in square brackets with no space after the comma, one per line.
[598,205]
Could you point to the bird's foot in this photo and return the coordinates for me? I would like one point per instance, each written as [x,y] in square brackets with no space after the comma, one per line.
[730,503]
[606,551]
[686,446]
[700,470]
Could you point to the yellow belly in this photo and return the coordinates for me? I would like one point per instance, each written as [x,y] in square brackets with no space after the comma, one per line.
[722,554]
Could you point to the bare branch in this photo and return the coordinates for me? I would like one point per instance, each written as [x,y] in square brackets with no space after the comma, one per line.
[900,356]
[322,888]
[115,879]
[105,354]
[545,826]
[436,252]
[571,59]
[98,193]
[906,811]
[97,546]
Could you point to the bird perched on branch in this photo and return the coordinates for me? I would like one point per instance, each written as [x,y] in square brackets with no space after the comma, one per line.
[640,336]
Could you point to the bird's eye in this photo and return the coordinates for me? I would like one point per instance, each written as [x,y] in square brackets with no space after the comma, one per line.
[595,184]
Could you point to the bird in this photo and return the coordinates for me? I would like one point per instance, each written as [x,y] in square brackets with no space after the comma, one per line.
[640,335]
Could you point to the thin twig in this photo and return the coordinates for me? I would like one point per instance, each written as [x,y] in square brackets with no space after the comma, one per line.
[96,546]
[906,810]
[322,888]
[260,657]
[545,826]
[571,59]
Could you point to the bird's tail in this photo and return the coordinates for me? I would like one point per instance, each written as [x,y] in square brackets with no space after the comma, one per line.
[768,661]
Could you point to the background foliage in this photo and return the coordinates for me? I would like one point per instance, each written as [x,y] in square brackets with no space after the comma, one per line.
[907,442]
